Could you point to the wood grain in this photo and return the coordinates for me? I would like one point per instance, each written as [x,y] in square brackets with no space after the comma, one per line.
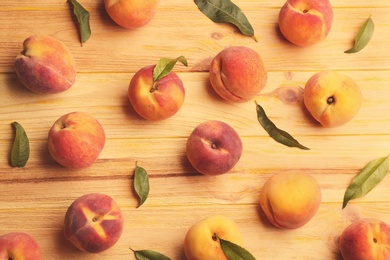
[34,199]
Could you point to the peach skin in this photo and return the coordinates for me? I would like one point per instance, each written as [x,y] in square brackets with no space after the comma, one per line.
[366,239]
[93,223]
[201,241]
[305,22]
[213,147]
[332,98]
[156,100]
[131,14]
[237,74]
[19,246]
[45,65]
[290,200]
[76,140]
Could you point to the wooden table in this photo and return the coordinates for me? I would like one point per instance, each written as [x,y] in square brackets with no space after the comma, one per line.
[34,199]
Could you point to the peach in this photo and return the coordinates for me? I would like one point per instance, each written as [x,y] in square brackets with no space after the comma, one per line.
[290,200]
[45,65]
[213,147]
[201,240]
[305,22]
[76,140]
[366,239]
[237,74]
[156,100]
[93,223]
[19,246]
[332,98]
[131,14]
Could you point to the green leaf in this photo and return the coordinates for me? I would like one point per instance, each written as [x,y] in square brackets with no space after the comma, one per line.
[83,19]
[141,184]
[277,134]
[165,66]
[225,11]
[367,179]
[149,255]
[363,36]
[235,252]
[21,147]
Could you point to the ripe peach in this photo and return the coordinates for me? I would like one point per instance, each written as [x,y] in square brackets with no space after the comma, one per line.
[332,98]
[93,223]
[19,246]
[305,22]
[290,200]
[45,65]
[156,100]
[237,74]
[366,239]
[76,140]
[213,147]
[201,240]
[131,14]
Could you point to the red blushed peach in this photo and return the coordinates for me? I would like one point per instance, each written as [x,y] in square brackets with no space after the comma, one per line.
[93,223]
[366,239]
[76,140]
[332,98]
[156,100]
[305,22]
[290,200]
[19,246]
[237,74]
[131,14]
[213,147]
[45,65]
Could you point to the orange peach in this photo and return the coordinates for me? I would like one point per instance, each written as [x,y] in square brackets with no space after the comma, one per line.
[290,200]
[332,98]
[366,239]
[237,74]
[131,14]
[305,22]
[45,65]
[76,140]
[213,147]
[93,223]
[201,240]
[19,246]
[156,100]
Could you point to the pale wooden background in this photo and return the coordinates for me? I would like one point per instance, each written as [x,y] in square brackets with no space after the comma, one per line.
[34,199]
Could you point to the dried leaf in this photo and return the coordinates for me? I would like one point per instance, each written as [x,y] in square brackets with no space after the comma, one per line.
[277,134]
[235,252]
[363,36]
[225,11]
[141,184]
[149,255]
[165,66]
[83,19]
[367,179]
[21,147]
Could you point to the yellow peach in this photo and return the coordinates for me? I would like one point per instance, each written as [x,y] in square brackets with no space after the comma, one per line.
[131,14]
[332,98]
[290,200]
[201,241]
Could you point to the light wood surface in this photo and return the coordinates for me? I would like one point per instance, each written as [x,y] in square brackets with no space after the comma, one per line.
[34,199]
